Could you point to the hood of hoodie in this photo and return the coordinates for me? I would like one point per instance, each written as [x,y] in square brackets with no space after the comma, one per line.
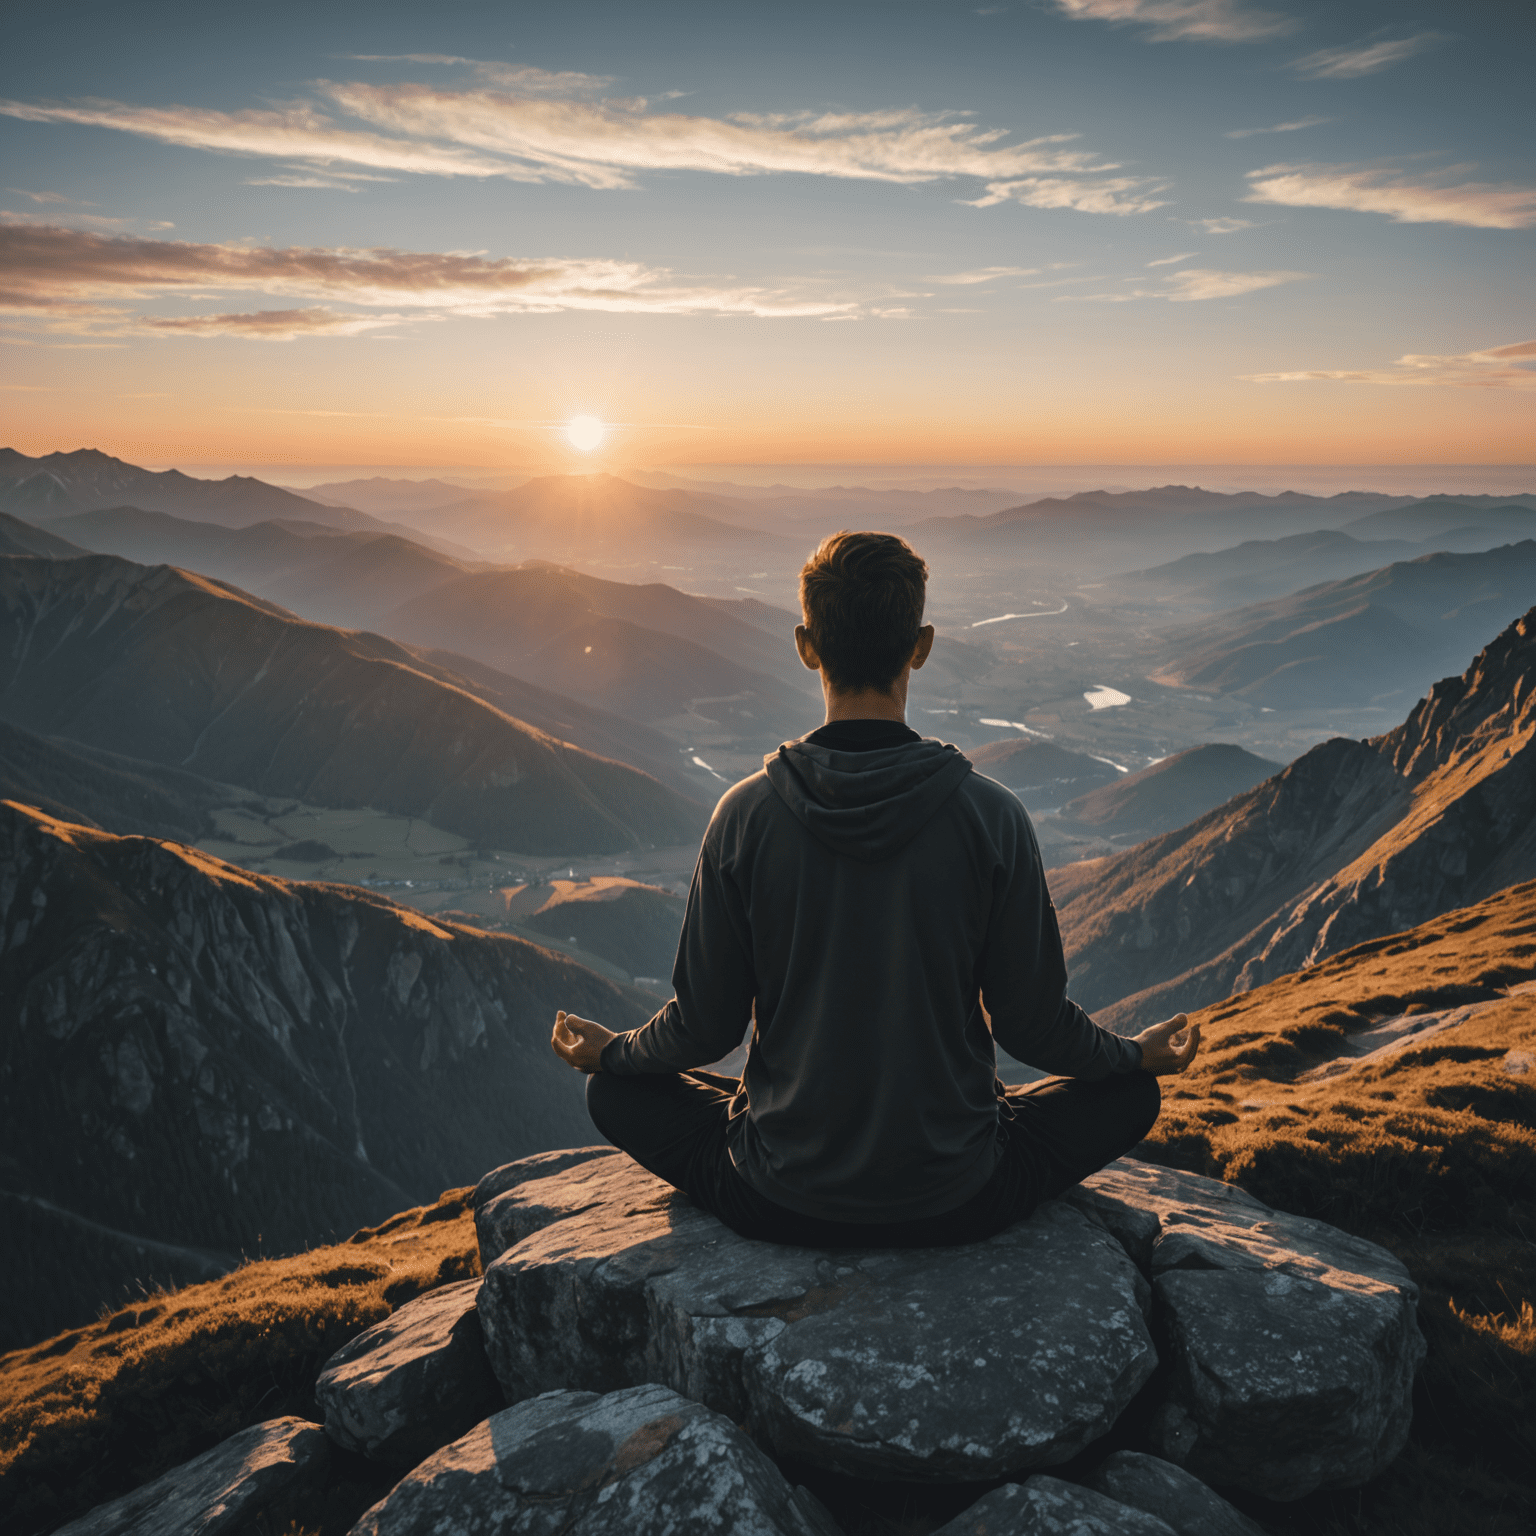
[866,805]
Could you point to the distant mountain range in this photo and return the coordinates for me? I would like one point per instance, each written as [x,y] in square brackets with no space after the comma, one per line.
[183,671]
[1043,775]
[1353,840]
[1352,641]
[203,1062]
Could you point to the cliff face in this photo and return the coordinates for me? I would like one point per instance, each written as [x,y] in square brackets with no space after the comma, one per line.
[1353,840]
[220,1061]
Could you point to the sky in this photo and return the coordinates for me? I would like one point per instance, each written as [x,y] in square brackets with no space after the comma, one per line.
[1132,232]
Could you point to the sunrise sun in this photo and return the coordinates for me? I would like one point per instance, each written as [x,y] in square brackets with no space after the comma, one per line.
[585,432]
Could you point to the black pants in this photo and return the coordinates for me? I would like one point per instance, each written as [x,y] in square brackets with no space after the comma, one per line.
[1054,1134]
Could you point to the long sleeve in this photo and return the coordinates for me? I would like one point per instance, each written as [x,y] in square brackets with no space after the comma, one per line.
[1023,975]
[713,980]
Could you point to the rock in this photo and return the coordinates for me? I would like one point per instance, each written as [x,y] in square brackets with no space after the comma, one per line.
[936,1365]
[495,1221]
[1179,1500]
[640,1462]
[1291,1346]
[413,1382]
[266,1471]
[1046,1506]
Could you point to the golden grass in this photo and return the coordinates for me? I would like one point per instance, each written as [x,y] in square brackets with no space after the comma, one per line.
[1431,1152]
[101,1409]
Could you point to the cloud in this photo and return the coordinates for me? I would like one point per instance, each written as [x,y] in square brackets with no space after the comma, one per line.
[329,183]
[1168,261]
[484,130]
[74,277]
[1123,194]
[1220,226]
[41,197]
[1365,57]
[984,275]
[1301,122]
[270,324]
[1508,367]
[513,77]
[1202,21]
[1193,285]
[1405,198]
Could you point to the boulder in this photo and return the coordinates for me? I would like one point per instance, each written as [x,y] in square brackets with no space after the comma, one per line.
[264,1472]
[934,1365]
[1046,1506]
[413,1382]
[495,1219]
[640,1462]
[1177,1498]
[1291,1346]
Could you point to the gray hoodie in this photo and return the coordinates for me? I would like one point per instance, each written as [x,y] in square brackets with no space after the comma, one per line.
[879,908]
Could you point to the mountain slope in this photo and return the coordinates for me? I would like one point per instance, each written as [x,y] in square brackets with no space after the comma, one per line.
[177,669]
[1042,774]
[19,538]
[1169,793]
[1352,840]
[226,1061]
[1355,640]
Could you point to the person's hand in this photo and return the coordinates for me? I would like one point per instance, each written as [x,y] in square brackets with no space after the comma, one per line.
[1169,1047]
[579,1042]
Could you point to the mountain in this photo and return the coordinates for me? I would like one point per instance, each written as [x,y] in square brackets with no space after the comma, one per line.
[1042,774]
[1507,520]
[651,653]
[197,1057]
[1352,641]
[1262,568]
[19,538]
[563,516]
[635,926]
[379,494]
[104,790]
[1168,794]
[181,670]
[1353,840]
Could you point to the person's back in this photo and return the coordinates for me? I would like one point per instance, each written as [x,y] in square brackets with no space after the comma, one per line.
[868,901]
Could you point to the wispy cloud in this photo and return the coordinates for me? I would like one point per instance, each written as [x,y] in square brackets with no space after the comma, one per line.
[1509,367]
[1193,285]
[1202,21]
[1367,57]
[531,125]
[1117,194]
[41,197]
[74,278]
[1220,226]
[1405,197]
[1168,261]
[983,275]
[526,78]
[1301,122]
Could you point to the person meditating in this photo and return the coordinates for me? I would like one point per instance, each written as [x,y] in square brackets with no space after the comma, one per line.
[876,912]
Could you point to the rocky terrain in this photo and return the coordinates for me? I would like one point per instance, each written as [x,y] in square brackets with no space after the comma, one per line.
[159,664]
[1353,840]
[201,1062]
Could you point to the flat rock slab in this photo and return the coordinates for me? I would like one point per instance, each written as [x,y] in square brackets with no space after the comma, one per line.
[1291,1346]
[940,1365]
[267,1470]
[1175,1496]
[641,1462]
[1046,1506]
[413,1382]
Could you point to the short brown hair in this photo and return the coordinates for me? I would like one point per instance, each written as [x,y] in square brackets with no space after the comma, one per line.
[862,596]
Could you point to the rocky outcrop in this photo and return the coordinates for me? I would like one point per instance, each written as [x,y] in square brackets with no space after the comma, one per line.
[1289,1347]
[1046,1506]
[227,1062]
[410,1384]
[1159,1488]
[265,1473]
[639,1462]
[1353,840]
[944,1365]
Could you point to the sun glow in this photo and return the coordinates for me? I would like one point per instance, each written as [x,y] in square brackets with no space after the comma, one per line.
[585,432]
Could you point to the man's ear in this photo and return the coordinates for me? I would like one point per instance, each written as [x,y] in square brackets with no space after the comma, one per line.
[924,645]
[807,650]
